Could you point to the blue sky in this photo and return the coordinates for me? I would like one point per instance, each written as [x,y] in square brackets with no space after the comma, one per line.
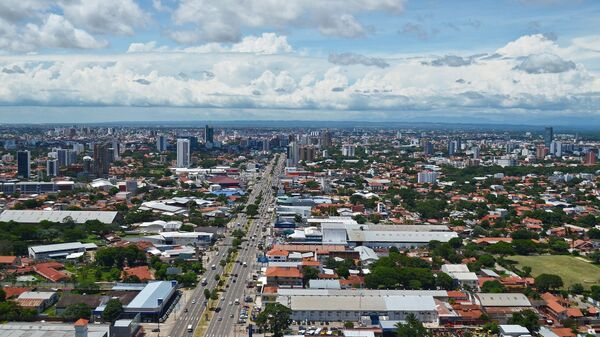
[294,59]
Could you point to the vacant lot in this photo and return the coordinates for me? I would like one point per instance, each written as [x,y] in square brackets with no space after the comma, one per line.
[570,269]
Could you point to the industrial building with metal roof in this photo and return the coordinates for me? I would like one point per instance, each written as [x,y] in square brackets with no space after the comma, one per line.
[37,216]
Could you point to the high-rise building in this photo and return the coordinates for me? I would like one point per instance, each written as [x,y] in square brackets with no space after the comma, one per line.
[161,143]
[293,154]
[541,152]
[307,153]
[429,177]
[63,156]
[183,152]
[556,148]
[427,147]
[208,135]
[452,148]
[548,136]
[52,167]
[348,150]
[590,158]
[102,158]
[325,139]
[23,164]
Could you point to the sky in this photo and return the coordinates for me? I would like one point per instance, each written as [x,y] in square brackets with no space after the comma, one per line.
[496,61]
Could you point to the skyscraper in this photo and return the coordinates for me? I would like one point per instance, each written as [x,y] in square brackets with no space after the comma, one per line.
[52,167]
[208,135]
[326,139]
[293,154]
[590,158]
[23,164]
[548,136]
[183,152]
[161,143]
[102,158]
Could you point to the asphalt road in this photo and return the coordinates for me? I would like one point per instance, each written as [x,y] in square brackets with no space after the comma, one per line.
[195,302]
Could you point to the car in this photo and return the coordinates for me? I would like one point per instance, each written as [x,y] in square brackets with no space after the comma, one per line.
[217,309]
[231,316]
[193,301]
[185,310]
[220,319]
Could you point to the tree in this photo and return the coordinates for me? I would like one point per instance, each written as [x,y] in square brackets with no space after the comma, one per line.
[251,210]
[545,282]
[309,273]
[487,260]
[206,293]
[2,295]
[276,318]
[113,310]
[76,311]
[526,318]
[492,287]
[411,328]
[444,281]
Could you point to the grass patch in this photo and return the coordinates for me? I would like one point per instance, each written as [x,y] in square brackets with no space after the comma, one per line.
[572,270]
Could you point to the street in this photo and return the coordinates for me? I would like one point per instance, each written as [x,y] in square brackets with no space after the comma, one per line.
[223,322]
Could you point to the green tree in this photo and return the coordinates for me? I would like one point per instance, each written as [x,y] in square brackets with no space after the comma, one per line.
[492,287]
[276,318]
[309,273]
[2,295]
[545,282]
[76,311]
[411,328]
[526,318]
[252,210]
[444,281]
[113,310]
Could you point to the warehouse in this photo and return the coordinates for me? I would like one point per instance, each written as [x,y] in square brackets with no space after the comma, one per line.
[60,250]
[152,301]
[78,217]
[341,231]
[354,309]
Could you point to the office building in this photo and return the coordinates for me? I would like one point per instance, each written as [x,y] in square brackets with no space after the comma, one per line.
[293,154]
[183,152]
[429,177]
[427,147]
[548,136]
[161,143]
[23,164]
[556,148]
[348,150]
[590,158]
[52,167]
[325,139]
[208,135]
[63,156]
[102,159]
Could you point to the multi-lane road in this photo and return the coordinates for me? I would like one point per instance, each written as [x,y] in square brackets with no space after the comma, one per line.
[223,322]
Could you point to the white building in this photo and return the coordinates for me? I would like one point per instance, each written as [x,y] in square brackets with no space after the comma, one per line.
[353,308]
[348,150]
[429,177]
[183,152]
[461,275]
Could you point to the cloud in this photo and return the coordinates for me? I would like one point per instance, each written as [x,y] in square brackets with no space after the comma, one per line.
[267,43]
[105,16]
[529,44]
[451,61]
[142,81]
[346,59]
[140,47]
[14,70]
[292,81]
[545,64]
[58,32]
[418,30]
[218,21]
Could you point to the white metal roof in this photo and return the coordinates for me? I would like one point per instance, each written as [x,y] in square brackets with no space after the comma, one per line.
[369,303]
[36,216]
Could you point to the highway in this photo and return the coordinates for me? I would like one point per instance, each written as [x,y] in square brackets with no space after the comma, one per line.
[221,323]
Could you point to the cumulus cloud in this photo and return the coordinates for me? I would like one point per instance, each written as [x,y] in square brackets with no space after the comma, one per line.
[352,59]
[246,80]
[15,69]
[105,16]
[545,64]
[58,32]
[267,43]
[216,21]
[451,61]
[529,44]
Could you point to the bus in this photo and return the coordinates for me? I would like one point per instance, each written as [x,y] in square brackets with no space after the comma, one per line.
[204,282]
[190,328]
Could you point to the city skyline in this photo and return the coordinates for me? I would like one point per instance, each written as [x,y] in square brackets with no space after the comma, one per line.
[512,62]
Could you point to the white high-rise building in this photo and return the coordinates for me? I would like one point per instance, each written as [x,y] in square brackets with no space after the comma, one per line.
[429,177]
[183,152]
[52,167]
[348,150]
